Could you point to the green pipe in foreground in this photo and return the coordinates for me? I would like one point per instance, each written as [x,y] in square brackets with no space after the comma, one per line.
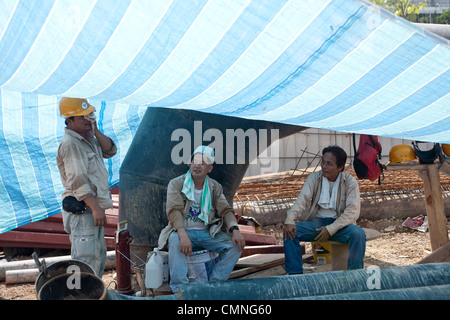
[416,282]
[418,293]
[382,280]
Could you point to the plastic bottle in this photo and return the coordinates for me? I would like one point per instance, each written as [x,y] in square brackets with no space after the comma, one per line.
[154,270]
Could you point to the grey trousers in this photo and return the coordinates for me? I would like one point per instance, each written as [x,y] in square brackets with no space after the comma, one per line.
[88,241]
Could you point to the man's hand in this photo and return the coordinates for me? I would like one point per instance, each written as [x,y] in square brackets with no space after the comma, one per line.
[105,142]
[289,230]
[324,235]
[97,212]
[99,217]
[238,239]
[185,242]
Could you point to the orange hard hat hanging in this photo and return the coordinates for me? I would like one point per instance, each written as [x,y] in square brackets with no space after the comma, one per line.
[446,149]
[401,153]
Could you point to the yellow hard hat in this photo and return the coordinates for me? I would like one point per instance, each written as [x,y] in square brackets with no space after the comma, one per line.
[72,107]
[446,149]
[401,153]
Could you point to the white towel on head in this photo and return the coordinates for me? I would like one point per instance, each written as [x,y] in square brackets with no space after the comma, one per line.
[326,201]
[206,151]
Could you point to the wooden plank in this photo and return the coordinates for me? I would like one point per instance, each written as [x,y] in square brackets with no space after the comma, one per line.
[250,250]
[244,271]
[437,220]
[246,228]
[258,239]
[438,204]
[258,260]
[410,166]
[440,255]
[248,270]
[423,174]
[269,272]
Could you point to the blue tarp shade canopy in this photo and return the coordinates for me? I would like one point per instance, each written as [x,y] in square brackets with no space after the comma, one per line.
[343,65]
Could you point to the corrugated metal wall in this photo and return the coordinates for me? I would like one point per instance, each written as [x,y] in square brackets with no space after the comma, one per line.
[303,150]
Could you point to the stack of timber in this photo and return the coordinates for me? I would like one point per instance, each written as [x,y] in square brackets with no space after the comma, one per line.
[261,251]
[253,238]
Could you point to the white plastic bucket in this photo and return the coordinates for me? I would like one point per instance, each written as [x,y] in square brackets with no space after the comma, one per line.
[200,264]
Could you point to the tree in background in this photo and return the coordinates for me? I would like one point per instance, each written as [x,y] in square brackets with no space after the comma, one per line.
[444,18]
[402,8]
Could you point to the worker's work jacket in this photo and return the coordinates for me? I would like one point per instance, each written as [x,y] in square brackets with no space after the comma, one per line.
[347,203]
[177,206]
[82,170]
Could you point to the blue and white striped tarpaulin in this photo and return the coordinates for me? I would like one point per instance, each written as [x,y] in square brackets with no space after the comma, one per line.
[343,65]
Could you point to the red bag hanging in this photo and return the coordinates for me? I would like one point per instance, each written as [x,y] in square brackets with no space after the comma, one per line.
[366,162]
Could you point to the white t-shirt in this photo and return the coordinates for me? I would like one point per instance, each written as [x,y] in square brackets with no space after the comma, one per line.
[192,222]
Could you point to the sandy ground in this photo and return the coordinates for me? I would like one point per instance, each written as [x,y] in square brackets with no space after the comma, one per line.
[396,246]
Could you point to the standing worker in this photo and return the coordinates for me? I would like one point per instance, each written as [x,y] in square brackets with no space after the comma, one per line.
[85,180]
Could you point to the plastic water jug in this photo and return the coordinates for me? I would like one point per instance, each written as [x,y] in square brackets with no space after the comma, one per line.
[154,270]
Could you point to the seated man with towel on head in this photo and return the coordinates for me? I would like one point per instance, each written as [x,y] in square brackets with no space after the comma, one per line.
[197,209]
[328,207]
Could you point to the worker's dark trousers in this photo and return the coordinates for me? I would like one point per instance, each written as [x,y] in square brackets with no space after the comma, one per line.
[352,235]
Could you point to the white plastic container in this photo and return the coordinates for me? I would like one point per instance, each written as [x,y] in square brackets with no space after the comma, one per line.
[154,270]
